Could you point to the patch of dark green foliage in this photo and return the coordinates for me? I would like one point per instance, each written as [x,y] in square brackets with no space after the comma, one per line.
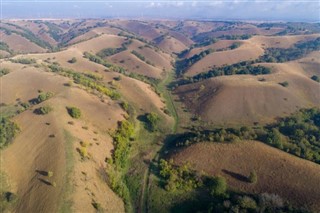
[112,51]
[299,50]
[4,71]
[8,130]
[315,78]
[23,60]
[121,140]
[43,110]
[241,68]
[74,112]
[183,65]
[88,80]
[298,134]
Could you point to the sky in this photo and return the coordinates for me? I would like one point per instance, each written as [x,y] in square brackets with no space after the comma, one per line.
[264,10]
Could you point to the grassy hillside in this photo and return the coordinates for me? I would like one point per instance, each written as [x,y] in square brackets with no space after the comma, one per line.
[159,116]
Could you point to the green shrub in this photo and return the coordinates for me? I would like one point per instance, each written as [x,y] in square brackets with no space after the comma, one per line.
[74,112]
[4,71]
[8,130]
[24,60]
[50,173]
[43,110]
[152,121]
[253,178]
[178,177]
[125,106]
[72,60]
[218,186]
[121,140]
[44,96]
[247,202]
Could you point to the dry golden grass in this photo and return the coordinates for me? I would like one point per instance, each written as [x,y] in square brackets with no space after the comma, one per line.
[247,51]
[221,44]
[243,99]
[96,44]
[294,179]
[33,149]
[172,45]
[280,41]
[20,44]
[132,63]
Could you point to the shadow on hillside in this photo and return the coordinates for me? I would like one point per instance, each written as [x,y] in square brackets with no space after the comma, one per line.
[41,172]
[45,181]
[237,176]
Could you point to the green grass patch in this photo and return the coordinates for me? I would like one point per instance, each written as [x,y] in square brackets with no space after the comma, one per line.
[66,199]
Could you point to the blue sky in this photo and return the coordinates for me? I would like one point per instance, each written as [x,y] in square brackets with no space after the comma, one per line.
[284,10]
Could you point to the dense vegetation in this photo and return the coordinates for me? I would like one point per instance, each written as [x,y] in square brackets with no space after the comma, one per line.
[112,51]
[298,51]
[152,121]
[43,96]
[241,68]
[236,37]
[4,71]
[85,80]
[214,194]
[54,31]
[116,165]
[298,134]
[5,47]
[26,34]
[175,177]
[121,139]
[141,57]
[23,60]
[183,65]
[74,112]
[43,110]
[99,60]
[8,130]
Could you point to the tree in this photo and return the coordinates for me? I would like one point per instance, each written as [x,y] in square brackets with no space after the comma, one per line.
[74,112]
[72,60]
[152,120]
[218,186]
[315,78]
[253,178]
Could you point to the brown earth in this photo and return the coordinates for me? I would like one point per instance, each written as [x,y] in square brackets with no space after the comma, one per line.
[294,179]
[20,44]
[240,99]
[247,51]
[41,153]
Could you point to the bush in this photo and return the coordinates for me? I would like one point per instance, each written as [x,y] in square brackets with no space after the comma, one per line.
[253,178]
[24,60]
[218,186]
[4,71]
[43,110]
[74,112]
[246,202]
[50,173]
[178,177]
[72,60]
[44,96]
[8,130]
[315,78]
[152,121]
[121,139]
